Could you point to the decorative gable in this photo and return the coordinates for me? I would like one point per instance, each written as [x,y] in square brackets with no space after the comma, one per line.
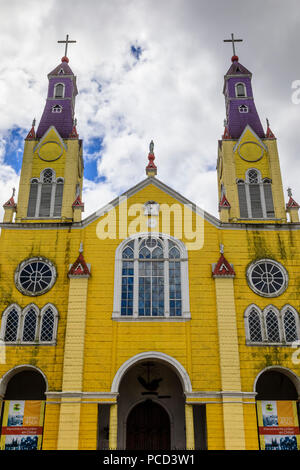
[80,268]
[222,268]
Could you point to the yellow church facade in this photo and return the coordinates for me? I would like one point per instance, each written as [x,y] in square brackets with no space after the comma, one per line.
[150,324]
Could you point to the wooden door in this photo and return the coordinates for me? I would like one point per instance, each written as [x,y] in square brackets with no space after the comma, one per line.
[148,427]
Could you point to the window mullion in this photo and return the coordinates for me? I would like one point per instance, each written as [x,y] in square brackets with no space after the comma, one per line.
[135,279]
[248,198]
[38,199]
[52,198]
[166,288]
[263,202]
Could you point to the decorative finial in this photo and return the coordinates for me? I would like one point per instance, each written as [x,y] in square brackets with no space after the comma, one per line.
[66,42]
[221,248]
[33,122]
[232,40]
[268,124]
[14,192]
[289,191]
[151,169]
[81,247]
[225,122]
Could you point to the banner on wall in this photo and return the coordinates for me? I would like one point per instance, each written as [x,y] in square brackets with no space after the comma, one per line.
[278,425]
[22,425]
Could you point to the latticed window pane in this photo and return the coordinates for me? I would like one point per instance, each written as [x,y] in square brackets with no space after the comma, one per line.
[175,288]
[35,277]
[290,327]
[272,327]
[12,323]
[252,176]
[151,288]
[254,327]
[47,328]
[29,325]
[127,287]
[48,176]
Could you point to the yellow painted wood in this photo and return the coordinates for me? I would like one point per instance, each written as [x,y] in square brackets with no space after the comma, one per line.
[189,427]
[69,420]
[113,427]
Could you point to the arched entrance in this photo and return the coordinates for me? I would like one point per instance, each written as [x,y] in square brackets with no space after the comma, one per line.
[151,386]
[277,409]
[148,427]
[23,389]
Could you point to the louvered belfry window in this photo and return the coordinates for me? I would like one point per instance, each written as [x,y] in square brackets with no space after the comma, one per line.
[255,196]
[45,197]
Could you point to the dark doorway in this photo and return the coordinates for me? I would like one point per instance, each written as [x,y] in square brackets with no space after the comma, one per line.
[273,385]
[26,385]
[148,427]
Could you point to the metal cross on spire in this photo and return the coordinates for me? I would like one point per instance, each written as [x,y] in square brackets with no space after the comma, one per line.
[233,41]
[66,42]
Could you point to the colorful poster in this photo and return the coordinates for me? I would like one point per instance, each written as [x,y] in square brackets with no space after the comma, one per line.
[278,425]
[22,425]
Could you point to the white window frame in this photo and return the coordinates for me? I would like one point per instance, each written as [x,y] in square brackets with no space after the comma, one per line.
[262,316]
[243,109]
[63,93]
[261,183]
[236,88]
[57,108]
[185,305]
[39,181]
[297,321]
[279,266]
[22,314]
[55,324]
[4,321]
[34,260]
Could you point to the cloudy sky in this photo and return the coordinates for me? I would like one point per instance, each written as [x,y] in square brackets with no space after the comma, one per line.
[149,69]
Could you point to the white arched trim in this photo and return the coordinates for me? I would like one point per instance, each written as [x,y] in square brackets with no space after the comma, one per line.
[158,356]
[4,320]
[184,280]
[294,378]
[63,90]
[9,374]
[240,84]
[247,313]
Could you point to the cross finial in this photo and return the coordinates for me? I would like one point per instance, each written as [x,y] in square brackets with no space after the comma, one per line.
[232,40]
[289,191]
[66,42]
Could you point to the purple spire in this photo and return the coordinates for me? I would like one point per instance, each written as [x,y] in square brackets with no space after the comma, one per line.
[60,103]
[240,106]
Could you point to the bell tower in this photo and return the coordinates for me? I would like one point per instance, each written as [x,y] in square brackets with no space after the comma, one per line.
[249,176]
[52,169]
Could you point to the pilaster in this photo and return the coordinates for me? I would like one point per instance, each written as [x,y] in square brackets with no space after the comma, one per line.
[189,427]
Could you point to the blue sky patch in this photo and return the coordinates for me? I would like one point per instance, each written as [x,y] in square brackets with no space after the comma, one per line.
[14,146]
[136,51]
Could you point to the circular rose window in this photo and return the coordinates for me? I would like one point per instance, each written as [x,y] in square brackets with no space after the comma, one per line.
[35,276]
[267,278]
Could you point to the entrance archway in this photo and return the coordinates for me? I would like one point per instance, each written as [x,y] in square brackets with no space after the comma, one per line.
[156,382]
[148,427]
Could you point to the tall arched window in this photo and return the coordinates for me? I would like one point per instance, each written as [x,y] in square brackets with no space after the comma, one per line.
[240,90]
[45,196]
[255,196]
[59,90]
[290,321]
[48,326]
[151,278]
[30,324]
[254,325]
[10,324]
[272,326]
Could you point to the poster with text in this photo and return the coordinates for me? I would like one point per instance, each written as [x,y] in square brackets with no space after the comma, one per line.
[278,425]
[22,425]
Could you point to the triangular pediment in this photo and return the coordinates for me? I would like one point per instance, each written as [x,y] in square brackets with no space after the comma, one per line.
[249,135]
[51,136]
[156,183]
